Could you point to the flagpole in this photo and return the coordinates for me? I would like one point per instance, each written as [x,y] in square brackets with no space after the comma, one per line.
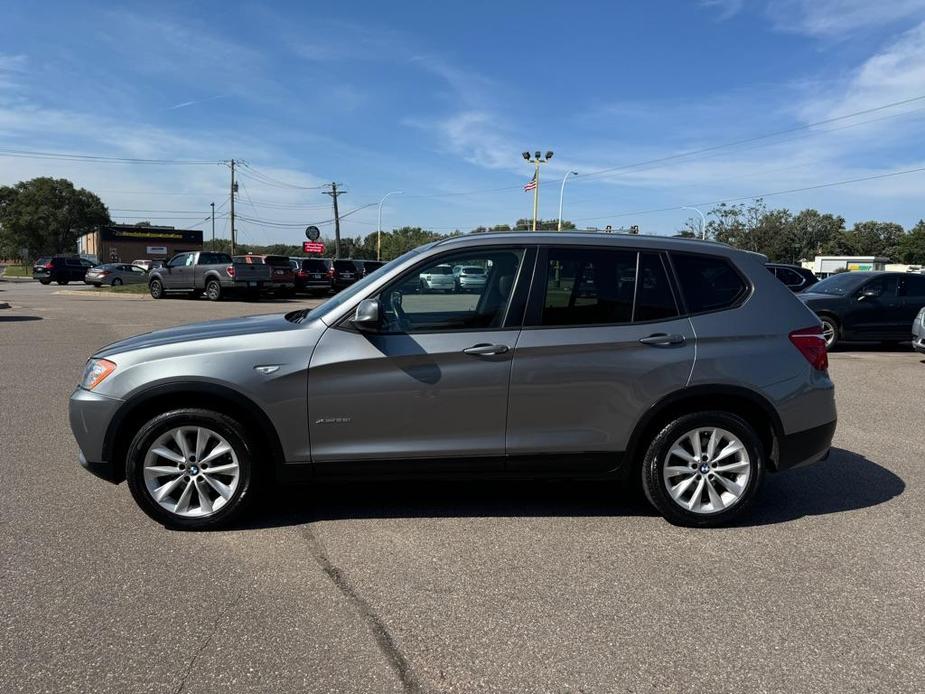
[536,192]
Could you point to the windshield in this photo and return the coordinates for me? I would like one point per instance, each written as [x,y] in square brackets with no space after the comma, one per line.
[839,285]
[352,290]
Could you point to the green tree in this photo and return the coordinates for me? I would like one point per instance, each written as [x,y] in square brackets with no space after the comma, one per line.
[46,216]
[541,225]
[912,246]
[813,231]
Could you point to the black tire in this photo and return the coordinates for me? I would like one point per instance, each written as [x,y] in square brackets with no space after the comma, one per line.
[156,289]
[44,281]
[233,432]
[655,486]
[831,323]
[63,281]
[116,282]
[96,284]
[213,290]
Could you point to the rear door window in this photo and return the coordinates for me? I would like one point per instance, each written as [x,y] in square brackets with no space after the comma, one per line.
[790,277]
[708,283]
[654,297]
[913,286]
[589,286]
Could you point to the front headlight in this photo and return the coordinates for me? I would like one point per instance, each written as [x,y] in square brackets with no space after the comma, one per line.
[95,371]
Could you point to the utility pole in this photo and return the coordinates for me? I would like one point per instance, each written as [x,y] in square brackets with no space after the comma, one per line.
[334,193]
[234,188]
[213,225]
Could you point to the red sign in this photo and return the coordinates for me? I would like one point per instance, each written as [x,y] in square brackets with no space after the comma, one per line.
[312,247]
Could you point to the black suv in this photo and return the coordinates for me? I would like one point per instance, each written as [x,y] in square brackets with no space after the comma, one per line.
[795,277]
[345,274]
[312,275]
[866,306]
[366,267]
[61,269]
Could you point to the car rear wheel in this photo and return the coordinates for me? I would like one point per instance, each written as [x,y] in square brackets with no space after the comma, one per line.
[156,289]
[191,469]
[829,332]
[44,281]
[703,469]
[116,282]
[63,281]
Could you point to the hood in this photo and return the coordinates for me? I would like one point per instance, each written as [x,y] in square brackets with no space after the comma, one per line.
[230,327]
[809,295]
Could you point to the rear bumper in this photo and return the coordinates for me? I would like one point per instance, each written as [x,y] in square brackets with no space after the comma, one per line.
[805,447]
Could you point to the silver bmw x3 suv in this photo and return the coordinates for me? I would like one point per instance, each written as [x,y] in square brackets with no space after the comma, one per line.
[681,364]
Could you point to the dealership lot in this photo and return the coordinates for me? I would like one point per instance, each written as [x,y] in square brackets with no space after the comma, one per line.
[450,587]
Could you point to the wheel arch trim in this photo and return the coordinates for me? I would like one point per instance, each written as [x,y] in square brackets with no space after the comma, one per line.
[637,441]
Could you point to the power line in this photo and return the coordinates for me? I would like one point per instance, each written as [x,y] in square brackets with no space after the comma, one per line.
[759,195]
[725,145]
[97,158]
[270,180]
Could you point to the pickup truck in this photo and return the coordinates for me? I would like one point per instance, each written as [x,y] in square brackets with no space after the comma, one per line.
[214,274]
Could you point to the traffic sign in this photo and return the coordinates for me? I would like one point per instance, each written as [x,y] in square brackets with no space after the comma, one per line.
[312,247]
[312,233]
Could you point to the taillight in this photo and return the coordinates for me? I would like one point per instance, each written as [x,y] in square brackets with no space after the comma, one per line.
[48,266]
[302,273]
[331,272]
[230,270]
[811,344]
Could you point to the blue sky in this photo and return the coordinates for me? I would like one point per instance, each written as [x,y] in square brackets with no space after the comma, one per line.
[439,99]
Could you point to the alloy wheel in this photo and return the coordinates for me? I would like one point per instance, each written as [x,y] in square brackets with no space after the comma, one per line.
[191,471]
[828,332]
[707,470]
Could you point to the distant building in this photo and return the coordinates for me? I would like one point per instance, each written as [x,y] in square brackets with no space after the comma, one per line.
[825,265]
[123,243]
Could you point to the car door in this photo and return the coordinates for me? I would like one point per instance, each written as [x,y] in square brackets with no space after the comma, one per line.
[432,381]
[602,341]
[912,294]
[174,271]
[876,310]
[133,274]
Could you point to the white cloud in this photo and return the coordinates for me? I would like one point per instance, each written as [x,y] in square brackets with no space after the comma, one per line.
[837,17]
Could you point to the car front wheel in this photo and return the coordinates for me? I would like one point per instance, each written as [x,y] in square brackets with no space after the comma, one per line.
[213,290]
[116,282]
[703,469]
[191,469]
[829,332]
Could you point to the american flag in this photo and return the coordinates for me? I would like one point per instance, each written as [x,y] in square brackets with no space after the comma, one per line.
[531,185]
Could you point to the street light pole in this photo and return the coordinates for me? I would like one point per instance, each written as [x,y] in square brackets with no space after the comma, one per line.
[213,225]
[379,224]
[536,161]
[703,221]
[562,194]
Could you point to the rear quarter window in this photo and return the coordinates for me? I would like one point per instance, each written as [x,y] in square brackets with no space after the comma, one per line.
[708,283]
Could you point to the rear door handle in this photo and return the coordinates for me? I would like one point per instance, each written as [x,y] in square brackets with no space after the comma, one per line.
[486,350]
[663,339]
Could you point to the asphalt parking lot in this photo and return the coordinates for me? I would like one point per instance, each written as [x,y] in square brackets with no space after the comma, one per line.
[451,587]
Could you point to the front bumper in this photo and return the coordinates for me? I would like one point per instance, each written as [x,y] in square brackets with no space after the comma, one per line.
[90,415]
[805,447]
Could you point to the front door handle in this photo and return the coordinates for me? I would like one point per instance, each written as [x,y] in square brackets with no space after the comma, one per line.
[663,339]
[485,350]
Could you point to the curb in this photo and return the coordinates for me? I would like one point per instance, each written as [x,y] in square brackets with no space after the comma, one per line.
[95,295]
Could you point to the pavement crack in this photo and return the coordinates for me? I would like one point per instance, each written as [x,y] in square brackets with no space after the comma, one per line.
[181,685]
[384,639]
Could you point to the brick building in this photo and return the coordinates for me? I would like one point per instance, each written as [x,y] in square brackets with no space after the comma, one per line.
[121,243]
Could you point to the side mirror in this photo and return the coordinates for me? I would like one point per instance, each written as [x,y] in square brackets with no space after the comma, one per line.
[366,317]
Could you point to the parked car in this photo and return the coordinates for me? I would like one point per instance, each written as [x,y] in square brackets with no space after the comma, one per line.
[281,274]
[437,279]
[345,274]
[115,274]
[796,278]
[147,265]
[918,332]
[61,269]
[866,306]
[469,278]
[365,267]
[698,376]
[313,275]
[214,274]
